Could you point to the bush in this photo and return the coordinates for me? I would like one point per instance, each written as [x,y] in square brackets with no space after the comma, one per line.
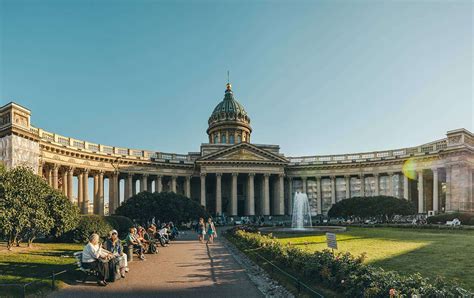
[382,207]
[465,218]
[88,224]
[121,223]
[343,272]
[145,207]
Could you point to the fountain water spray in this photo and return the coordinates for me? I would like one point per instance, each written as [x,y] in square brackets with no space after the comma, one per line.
[301,217]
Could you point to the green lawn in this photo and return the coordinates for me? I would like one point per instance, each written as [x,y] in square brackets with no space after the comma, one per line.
[445,253]
[23,265]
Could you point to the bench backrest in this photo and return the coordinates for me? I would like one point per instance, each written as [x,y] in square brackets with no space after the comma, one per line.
[78,256]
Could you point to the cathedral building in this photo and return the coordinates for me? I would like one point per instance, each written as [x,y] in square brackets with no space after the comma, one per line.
[231,175]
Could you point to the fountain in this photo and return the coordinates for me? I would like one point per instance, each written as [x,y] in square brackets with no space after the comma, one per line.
[301,220]
[301,216]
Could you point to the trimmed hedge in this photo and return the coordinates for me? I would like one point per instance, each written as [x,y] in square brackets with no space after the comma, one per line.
[345,273]
[88,224]
[121,223]
[465,218]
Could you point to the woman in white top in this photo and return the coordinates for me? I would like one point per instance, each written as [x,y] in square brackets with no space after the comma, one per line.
[96,258]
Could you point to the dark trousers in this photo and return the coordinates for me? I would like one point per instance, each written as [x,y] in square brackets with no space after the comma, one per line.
[139,248]
[102,268]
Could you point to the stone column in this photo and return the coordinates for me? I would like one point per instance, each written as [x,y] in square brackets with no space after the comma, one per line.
[65,182]
[435,190]
[303,180]
[333,190]
[158,184]
[390,184]
[173,183]
[420,192]
[55,176]
[187,186]
[290,196]
[203,190]
[281,195]
[40,169]
[218,193]
[251,195]
[233,196]
[70,177]
[143,182]
[377,184]
[80,189]
[113,193]
[319,194]
[405,187]
[128,187]
[348,186]
[266,194]
[362,185]
[149,185]
[448,188]
[101,193]
[96,194]
[49,175]
[85,191]
[134,187]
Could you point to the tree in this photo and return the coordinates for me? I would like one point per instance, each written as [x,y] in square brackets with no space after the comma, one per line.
[384,207]
[30,207]
[164,206]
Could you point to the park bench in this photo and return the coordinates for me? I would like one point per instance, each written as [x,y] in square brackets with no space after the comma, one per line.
[86,272]
[453,223]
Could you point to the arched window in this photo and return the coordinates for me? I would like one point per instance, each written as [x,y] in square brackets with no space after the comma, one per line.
[231,139]
[239,139]
[223,139]
[216,139]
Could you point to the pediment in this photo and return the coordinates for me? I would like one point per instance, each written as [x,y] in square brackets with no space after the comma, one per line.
[243,152]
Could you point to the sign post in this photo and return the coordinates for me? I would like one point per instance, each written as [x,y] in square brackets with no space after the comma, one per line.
[331,241]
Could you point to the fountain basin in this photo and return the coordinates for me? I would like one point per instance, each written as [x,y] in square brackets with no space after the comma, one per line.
[304,230]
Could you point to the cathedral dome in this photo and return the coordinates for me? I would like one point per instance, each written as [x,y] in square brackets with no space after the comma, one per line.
[229,109]
[229,122]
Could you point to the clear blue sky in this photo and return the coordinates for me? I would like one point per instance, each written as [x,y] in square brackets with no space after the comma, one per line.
[316,77]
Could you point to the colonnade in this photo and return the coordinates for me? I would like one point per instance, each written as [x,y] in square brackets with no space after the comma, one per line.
[404,189]
[264,203]
[61,177]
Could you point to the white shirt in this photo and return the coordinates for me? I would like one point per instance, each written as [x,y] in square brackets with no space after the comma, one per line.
[92,252]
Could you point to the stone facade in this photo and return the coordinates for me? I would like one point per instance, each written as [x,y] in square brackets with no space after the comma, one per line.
[230,175]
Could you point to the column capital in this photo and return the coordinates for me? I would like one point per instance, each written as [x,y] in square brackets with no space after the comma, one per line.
[130,175]
[101,172]
[361,175]
[280,175]
[332,177]
[55,166]
[218,174]
[174,177]
[376,174]
[145,174]
[266,175]
[390,173]
[235,174]
[70,169]
[304,178]
[202,174]
[347,176]
[435,169]
[251,174]
[290,178]
[159,176]
[188,177]
[85,171]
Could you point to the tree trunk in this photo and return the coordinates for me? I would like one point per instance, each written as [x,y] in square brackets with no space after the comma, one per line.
[30,242]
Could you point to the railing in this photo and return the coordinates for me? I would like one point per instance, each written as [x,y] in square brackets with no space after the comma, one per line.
[23,287]
[109,150]
[353,157]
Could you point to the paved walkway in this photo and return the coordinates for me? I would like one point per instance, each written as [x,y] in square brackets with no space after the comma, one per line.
[186,268]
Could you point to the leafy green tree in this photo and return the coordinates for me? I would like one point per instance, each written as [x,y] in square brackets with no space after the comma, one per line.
[383,207]
[164,206]
[30,207]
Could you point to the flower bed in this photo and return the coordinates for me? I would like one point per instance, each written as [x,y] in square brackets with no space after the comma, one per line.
[343,272]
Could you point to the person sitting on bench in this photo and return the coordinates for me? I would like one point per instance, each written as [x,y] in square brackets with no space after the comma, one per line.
[132,240]
[115,247]
[96,258]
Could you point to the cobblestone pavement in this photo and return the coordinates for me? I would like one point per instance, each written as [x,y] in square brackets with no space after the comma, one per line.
[186,268]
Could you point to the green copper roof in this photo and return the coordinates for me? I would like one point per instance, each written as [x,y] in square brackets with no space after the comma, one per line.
[229,109]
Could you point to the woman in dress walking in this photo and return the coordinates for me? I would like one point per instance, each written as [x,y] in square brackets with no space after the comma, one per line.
[201,230]
[211,230]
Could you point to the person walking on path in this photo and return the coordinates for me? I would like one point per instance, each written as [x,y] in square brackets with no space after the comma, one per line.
[211,231]
[201,230]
